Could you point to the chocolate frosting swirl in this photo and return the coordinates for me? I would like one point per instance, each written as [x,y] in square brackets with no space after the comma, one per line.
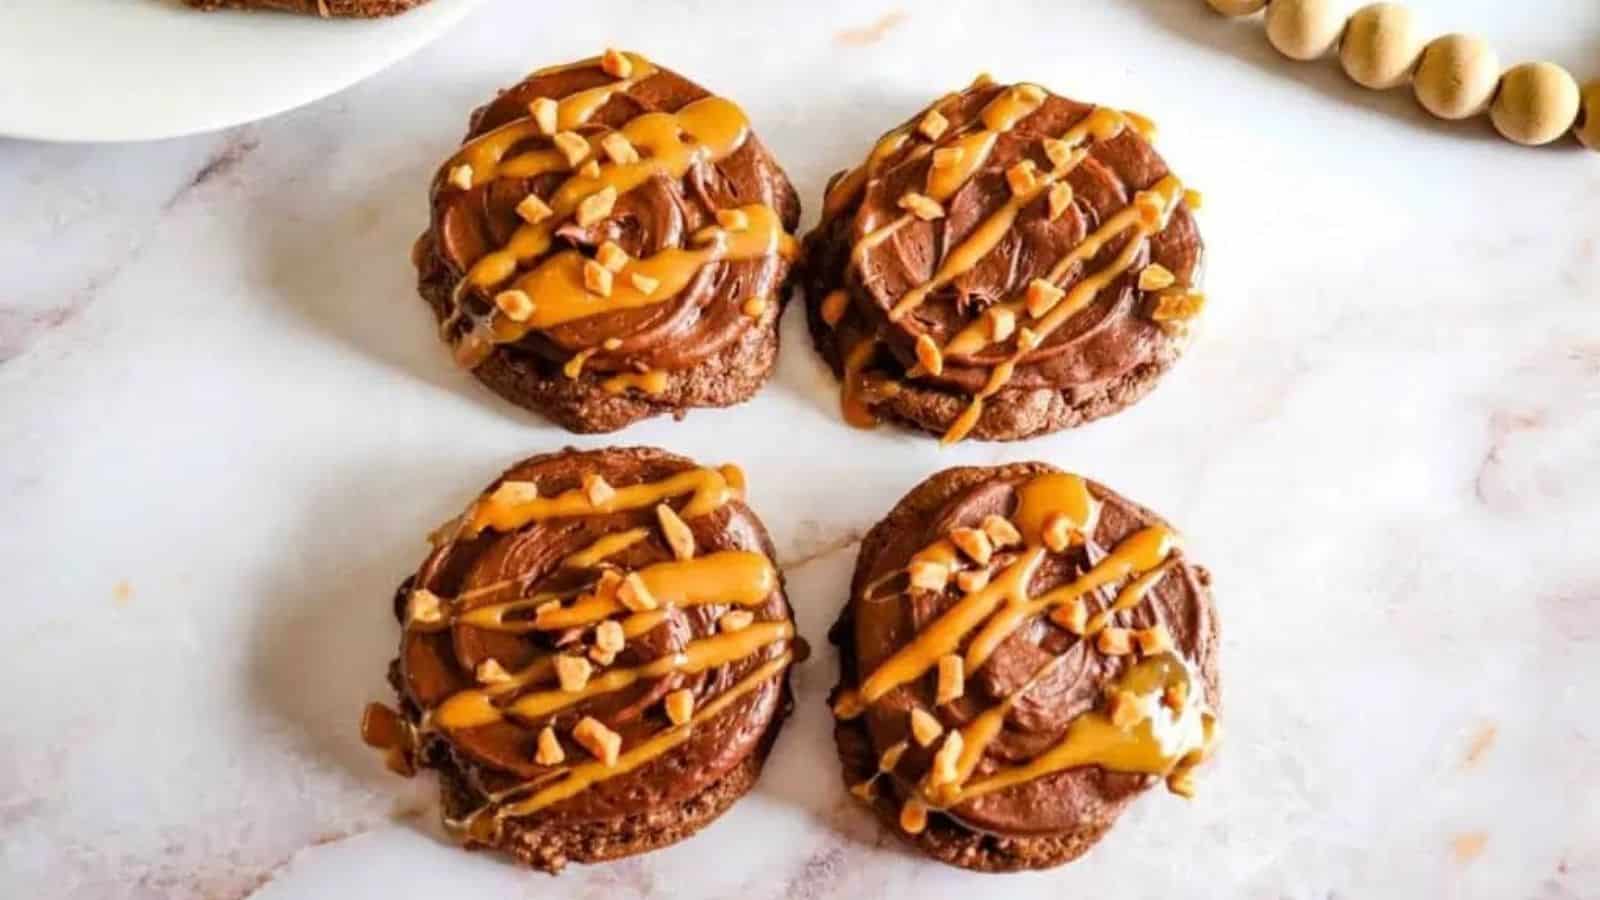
[879,623]
[475,572]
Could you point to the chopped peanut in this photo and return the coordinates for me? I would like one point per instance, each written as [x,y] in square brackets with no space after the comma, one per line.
[643,283]
[1193,199]
[544,112]
[597,279]
[1059,198]
[598,490]
[461,177]
[1031,93]
[1114,642]
[619,148]
[1154,277]
[1042,297]
[974,543]
[534,210]
[590,169]
[1022,177]
[1153,640]
[424,606]
[491,672]
[680,706]
[933,125]
[635,595]
[1058,151]
[596,206]
[608,636]
[948,157]
[924,727]
[1178,306]
[516,305]
[602,742]
[922,206]
[1123,710]
[928,354]
[929,576]
[1074,616]
[1058,532]
[1027,339]
[611,343]
[515,493]
[616,64]
[613,257]
[549,752]
[572,146]
[573,672]
[601,656]
[676,531]
[944,770]
[952,678]
[736,620]
[733,219]
[972,580]
[1001,532]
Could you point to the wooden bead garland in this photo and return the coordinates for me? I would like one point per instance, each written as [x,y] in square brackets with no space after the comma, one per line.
[1454,77]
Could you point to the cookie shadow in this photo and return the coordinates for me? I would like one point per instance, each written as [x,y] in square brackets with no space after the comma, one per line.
[1244,39]
[326,633]
[344,268]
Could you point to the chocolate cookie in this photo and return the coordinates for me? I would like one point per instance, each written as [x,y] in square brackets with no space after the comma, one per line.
[595,657]
[1023,653]
[356,9]
[611,243]
[1005,264]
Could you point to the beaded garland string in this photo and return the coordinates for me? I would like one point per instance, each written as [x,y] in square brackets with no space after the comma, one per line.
[1456,76]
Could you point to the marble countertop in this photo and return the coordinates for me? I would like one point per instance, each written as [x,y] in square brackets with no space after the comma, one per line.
[226,425]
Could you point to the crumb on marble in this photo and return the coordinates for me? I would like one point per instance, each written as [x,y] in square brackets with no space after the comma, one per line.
[1468,846]
[873,33]
[1479,747]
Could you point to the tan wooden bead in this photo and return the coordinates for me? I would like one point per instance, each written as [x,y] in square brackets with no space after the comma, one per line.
[1236,8]
[1588,128]
[1456,76]
[1304,29]
[1381,43]
[1536,104]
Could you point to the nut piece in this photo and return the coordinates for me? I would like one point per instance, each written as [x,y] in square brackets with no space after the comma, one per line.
[1027,339]
[1178,306]
[1456,76]
[590,169]
[834,306]
[617,146]
[1123,709]
[890,760]
[736,620]
[676,531]
[754,307]
[933,125]
[545,112]
[549,752]
[596,278]
[1059,199]
[602,742]
[573,672]
[516,305]
[1193,199]
[972,580]
[948,157]
[608,636]
[1074,616]
[1002,323]
[1155,276]
[598,490]
[534,210]
[1058,532]
[1114,642]
[1031,93]
[733,219]
[1175,696]
[613,257]
[596,206]
[424,606]
[572,146]
[643,283]
[929,576]
[1022,177]
[1059,152]
[928,355]
[461,176]
[944,769]
[924,727]
[635,595]
[952,678]
[922,206]
[1153,640]
[602,657]
[491,672]
[680,706]
[1001,532]
[1182,783]
[1042,297]
[974,543]
[615,63]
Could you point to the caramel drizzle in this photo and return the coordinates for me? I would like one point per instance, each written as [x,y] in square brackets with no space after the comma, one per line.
[1161,742]
[709,489]
[1148,214]
[605,548]
[862,389]
[653,383]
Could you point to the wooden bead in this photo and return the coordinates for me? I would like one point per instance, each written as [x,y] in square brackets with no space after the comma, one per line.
[1380,44]
[1236,8]
[1304,29]
[1536,104]
[1588,129]
[1456,76]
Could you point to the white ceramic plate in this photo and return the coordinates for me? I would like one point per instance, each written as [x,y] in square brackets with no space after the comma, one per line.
[129,70]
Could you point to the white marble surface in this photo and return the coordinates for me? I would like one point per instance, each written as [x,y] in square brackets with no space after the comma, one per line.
[225,425]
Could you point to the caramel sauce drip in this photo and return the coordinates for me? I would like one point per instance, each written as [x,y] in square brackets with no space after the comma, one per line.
[1161,741]
[708,490]
[605,548]
[860,389]
[653,383]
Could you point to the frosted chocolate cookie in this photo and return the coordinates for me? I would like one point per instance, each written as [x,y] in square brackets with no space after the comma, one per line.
[594,657]
[1023,653]
[356,9]
[611,243]
[1007,263]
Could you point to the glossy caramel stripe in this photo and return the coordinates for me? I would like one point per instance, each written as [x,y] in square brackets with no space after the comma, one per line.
[709,490]
[583,776]
[1100,124]
[604,548]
